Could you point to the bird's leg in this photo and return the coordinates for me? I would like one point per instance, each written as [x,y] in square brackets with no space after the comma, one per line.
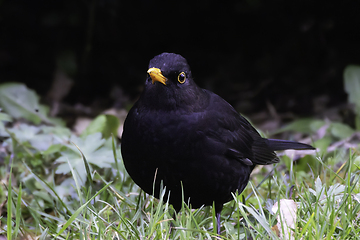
[218,216]
[218,208]
[172,223]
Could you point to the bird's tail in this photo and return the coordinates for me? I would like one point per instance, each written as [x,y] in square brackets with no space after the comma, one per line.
[276,145]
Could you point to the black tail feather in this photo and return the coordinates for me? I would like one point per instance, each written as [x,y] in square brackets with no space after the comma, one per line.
[275,145]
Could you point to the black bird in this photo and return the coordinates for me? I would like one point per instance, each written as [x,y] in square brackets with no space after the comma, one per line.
[190,138]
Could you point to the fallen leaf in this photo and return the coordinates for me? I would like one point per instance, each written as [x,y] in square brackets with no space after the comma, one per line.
[286,218]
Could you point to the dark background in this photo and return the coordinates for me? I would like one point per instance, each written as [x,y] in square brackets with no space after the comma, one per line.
[287,53]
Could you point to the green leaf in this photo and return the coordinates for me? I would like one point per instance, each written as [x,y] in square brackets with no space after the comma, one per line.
[304,164]
[352,88]
[106,124]
[43,195]
[20,102]
[307,125]
[59,131]
[352,85]
[53,149]
[341,130]
[31,134]
[323,144]
[94,149]
[4,118]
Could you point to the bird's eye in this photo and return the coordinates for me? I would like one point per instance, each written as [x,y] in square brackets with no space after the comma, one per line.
[182,77]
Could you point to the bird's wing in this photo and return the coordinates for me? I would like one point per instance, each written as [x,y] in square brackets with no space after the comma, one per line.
[243,142]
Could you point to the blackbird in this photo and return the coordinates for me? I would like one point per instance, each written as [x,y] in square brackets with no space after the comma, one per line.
[190,140]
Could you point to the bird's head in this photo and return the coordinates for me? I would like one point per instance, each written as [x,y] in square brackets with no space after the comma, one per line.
[169,69]
[169,83]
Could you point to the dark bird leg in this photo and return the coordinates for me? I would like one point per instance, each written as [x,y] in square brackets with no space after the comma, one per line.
[172,224]
[218,208]
[218,216]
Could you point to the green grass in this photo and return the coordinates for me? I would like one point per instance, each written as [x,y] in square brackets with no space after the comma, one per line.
[110,206]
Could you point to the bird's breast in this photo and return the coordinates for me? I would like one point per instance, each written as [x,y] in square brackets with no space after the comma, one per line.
[181,148]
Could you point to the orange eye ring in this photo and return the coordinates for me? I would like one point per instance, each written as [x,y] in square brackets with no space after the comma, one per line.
[182,77]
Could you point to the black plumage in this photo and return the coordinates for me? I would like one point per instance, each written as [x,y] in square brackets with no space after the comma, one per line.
[189,137]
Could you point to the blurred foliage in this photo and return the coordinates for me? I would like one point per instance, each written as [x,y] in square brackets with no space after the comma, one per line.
[106,124]
[21,102]
[352,88]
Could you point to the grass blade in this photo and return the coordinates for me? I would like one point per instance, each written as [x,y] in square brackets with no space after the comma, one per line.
[76,213]
[18,212]
[87,167]
[9,207]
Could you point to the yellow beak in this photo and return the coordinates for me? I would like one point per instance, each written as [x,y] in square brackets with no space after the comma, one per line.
[156,75]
